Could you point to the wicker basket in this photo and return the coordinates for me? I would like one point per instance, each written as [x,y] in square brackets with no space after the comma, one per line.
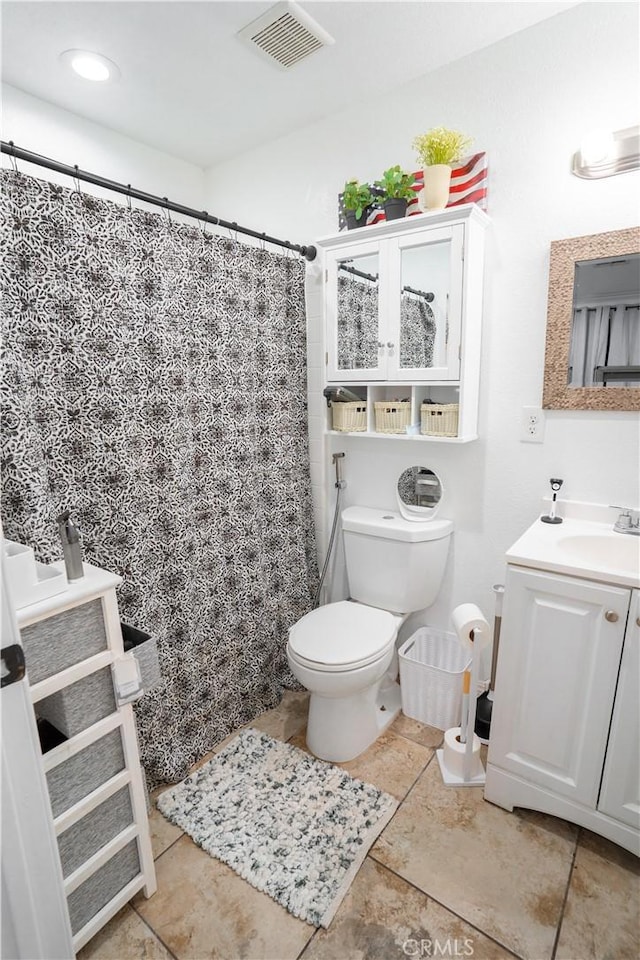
[392,416]
[350,417]
[439,419]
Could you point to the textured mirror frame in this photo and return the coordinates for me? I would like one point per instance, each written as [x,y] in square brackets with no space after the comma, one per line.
[557,395]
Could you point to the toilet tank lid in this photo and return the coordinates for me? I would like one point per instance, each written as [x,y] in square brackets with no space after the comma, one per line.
[389,525]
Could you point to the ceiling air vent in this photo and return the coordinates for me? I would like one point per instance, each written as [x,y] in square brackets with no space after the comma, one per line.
[285,35]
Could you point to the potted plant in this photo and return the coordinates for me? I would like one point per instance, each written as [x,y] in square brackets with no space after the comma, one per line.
[395,191]
[437,150]
[356,200]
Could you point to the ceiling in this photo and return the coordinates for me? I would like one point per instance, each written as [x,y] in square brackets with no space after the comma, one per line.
[190,88]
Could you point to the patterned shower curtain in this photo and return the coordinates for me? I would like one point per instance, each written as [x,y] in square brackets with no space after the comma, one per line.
[417,332]
[154,382]
[358,323]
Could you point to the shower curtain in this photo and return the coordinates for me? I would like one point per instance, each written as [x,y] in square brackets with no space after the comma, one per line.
[358,322]
[417,332]
[606,335]
[154,383]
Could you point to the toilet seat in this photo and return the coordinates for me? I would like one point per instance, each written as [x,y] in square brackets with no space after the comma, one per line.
[342,636]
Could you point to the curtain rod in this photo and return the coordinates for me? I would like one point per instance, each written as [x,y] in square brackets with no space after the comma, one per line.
[18,153]
[374,278]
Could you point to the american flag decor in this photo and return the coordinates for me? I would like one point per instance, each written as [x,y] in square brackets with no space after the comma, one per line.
[468,185]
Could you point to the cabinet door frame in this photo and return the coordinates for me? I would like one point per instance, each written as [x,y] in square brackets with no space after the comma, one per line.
[336,374]
[553,703]
[620,779]
[454,234]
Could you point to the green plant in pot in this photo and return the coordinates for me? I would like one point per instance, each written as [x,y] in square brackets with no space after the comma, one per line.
[396,189]
[438,149]
[356,200]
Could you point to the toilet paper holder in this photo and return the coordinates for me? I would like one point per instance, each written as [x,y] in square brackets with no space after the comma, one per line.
[459,758]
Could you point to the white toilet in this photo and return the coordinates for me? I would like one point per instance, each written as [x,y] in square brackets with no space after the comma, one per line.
[344,653]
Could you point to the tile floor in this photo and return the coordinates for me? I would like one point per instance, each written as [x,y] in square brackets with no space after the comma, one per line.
[450,876]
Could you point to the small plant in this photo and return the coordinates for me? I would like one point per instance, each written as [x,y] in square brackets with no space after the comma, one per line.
[357,197]
[440,145]
[396,184]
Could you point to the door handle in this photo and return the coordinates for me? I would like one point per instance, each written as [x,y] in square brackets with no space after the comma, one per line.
[13,665]
[611,616]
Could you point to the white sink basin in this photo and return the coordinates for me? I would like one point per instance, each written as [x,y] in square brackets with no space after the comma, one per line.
[583,548]
[613,550]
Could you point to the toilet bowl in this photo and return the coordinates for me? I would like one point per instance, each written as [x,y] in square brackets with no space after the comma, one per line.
[340,653]
[344,652]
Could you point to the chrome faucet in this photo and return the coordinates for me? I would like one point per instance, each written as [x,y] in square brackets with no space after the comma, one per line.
[628,521]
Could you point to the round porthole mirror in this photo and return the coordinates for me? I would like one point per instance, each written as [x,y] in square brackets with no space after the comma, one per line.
[419,492]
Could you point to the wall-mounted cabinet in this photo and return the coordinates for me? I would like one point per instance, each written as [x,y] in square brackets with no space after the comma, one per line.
[403,312]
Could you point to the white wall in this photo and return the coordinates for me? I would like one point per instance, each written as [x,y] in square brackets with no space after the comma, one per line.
[527,100]
[52,132]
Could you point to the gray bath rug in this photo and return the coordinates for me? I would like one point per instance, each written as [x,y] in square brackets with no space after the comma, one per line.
[292,826]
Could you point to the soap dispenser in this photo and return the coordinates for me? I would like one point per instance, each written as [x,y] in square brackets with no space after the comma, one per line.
[71,549]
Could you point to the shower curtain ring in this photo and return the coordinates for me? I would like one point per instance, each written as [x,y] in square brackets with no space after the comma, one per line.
[166,209]
[12,156]
[262,242]
[129,197]
[233,231]
[76,179]
[204,223]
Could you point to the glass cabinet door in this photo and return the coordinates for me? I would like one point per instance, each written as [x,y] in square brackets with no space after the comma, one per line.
[427,280]
[353,314]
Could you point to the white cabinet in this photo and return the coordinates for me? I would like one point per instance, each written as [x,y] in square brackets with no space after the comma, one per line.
[564,731]
[620,792]
[403,311]
[94,779]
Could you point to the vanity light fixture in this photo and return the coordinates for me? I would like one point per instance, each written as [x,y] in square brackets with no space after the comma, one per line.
[90,66]
[605,154]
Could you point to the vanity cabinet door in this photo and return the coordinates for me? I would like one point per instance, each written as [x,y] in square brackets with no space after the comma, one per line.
[356,283]
[620,791]
[426,305]
[560,649]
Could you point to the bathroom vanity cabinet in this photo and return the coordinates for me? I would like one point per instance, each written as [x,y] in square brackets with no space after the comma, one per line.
[91,761]
[403,313]
[566,724]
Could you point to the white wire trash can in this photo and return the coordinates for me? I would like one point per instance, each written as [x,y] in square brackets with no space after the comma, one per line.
[431,666]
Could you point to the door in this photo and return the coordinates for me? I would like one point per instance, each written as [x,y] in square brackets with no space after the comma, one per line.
[35,922]
[620,791]
[356,282]
[426,305]
[560,647]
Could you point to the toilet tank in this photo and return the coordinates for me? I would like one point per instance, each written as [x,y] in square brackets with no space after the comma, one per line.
[393,563]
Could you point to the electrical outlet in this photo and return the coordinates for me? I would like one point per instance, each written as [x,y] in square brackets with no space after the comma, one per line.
[532,425]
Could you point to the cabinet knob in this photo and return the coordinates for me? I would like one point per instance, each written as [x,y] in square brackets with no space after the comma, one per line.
[390,345]
[611,616]
[380,344]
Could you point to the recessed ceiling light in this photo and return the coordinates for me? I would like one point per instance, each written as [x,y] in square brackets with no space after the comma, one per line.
[90,66]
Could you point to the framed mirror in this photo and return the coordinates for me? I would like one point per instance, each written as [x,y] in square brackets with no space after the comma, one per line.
[592,355]
[419,492]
